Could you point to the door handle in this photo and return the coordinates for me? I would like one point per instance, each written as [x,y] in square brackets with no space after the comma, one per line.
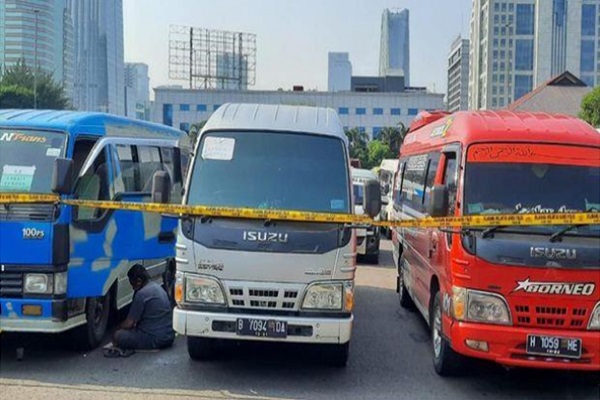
[166,237]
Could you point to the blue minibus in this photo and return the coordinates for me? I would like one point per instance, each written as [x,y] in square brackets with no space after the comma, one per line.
[65,267]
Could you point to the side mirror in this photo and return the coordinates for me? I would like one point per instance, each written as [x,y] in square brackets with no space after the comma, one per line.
[438,201]
[62,176]
[372,198]
[161,187]
[386,189]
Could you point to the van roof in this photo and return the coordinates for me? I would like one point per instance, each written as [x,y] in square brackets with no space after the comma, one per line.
[92,122]
[358,173]
[469,127]
[270,117]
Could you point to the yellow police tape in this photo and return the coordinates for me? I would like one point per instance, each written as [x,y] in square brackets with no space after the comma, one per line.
[303,216]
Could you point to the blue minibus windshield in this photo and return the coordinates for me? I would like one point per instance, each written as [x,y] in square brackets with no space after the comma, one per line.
[27,158]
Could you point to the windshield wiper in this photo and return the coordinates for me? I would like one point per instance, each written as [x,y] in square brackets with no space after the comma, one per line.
[557,235]
[488,231]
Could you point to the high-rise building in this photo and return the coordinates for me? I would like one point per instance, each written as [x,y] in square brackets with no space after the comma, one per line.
[39,32]
[458,75]
[518,45]
[394,58]
[339,75]
[99,65]
[137,91]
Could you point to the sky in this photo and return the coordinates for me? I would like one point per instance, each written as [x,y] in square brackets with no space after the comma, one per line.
[295,36]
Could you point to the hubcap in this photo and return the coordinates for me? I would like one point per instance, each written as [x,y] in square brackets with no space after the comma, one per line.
[437,332]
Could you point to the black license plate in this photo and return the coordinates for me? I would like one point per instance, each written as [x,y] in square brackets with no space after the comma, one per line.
[261,328]
[554,346]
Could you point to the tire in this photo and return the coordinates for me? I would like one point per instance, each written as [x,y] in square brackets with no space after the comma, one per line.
[337,355]
[446,361]
[97,314]
[203,349]
[404,297]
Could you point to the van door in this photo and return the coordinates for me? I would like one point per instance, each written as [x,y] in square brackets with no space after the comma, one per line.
[105,243]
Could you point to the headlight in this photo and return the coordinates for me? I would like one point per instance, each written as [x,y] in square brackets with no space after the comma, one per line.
[476,306]
[38,283]
[60,283]
[323,296]
[595,318]
[203,290]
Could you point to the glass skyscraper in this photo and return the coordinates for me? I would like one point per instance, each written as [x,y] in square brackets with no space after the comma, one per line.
[394,58]
[46,23]
[519,45]
[99,63]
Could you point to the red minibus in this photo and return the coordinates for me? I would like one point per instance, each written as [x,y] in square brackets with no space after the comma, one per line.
[522,296]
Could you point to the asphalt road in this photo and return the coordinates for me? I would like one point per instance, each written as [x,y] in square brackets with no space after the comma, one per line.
[390,359]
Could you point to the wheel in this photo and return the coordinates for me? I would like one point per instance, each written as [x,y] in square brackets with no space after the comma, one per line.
[445,360]
[97,313]
[405,300]
[338,354]
[203,349]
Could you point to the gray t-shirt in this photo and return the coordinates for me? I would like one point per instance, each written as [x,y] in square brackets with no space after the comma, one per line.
[152,312]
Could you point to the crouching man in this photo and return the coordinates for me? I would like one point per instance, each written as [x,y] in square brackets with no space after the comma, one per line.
[149,324]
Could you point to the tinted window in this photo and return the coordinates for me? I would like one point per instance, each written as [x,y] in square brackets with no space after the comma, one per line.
[434,160]
[525,19]
[127,175]
[414,182]
[450,180]
[149,158]
[524,55]
[271,170]
[358,193]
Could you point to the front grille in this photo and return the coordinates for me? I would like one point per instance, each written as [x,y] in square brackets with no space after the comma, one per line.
[550,316]
[27,212]
[11,285]
[266,298]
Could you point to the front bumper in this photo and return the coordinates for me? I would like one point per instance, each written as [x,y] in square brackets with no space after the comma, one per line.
[300,329]
[53,317]
[507,346]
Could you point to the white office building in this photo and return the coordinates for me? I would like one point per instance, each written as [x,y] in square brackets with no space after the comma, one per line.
[369,112]
[137,91]
[40,32]
[458,75]
[394,58]
[517,45]
[99,65]
[339,74]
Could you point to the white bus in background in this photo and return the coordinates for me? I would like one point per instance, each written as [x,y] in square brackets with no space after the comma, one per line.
[367,239]
[269,280]
[387,173]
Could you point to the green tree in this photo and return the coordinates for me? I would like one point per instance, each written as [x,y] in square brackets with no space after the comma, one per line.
[377,151]
[17,89]
[393,136]
[358,145]
[590,108]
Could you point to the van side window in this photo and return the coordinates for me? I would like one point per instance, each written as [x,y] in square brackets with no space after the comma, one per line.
[94,184]
[450,179]
[83,147]
[169,161]
[149,163]
[127,175]
[434,161]
[398,185]
[414,182]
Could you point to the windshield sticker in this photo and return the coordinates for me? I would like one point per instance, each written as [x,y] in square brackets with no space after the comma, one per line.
[337,204]
[19,137]
[217,148]
[417,163]
[16,178]
[53,152]
[535,154]
[475,208]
